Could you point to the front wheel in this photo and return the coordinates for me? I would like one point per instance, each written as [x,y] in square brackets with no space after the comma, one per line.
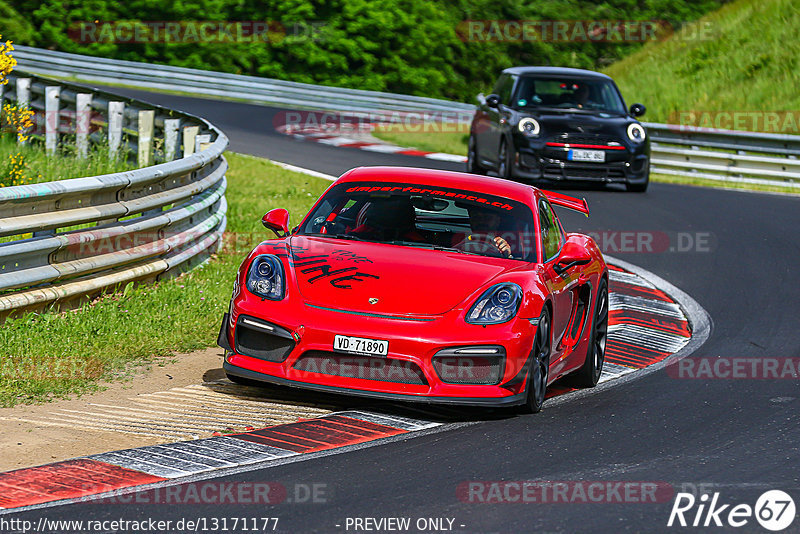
[589,374]
[472,158]
[540,367]
[504,161]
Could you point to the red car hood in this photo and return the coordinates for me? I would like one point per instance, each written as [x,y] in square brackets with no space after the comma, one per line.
[350,275]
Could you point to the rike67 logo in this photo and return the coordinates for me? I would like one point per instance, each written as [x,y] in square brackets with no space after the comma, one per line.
[774,510]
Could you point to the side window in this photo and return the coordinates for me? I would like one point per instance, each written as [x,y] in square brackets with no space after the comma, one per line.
[551,231]
[503,88]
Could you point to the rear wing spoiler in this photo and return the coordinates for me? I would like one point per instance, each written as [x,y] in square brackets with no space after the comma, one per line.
[572,203]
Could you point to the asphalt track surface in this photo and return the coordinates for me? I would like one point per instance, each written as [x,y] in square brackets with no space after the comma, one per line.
[737,437]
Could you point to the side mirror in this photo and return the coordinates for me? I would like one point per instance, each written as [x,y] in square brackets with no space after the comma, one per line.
[572,254]
[637,110]
[277,220]
[492,101]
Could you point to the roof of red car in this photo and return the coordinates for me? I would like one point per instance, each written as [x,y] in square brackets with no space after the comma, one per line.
[450,179]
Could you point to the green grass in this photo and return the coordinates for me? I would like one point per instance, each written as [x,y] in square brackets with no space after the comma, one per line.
[433,141]
[39,167]
[50,355]
[747,60]
[701,182]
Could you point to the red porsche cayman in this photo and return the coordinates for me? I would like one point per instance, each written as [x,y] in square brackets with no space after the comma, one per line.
[422,285]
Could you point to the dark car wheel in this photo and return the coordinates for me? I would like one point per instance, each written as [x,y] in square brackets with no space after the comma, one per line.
[472,158]
[504,161]
[540,367]
[588,375]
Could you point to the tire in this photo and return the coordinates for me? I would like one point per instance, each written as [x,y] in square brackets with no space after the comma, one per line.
[589,374]
[472,158]
[540,367]
[504,161]
[639,188]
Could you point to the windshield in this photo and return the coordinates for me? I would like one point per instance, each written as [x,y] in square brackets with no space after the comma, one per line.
[585,94]
[414,215]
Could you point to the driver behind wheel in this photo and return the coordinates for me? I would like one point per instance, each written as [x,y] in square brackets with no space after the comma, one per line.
[486,225]
[388,219]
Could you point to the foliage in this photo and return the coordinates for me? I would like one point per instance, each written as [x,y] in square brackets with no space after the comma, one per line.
[403,46]
[746,63]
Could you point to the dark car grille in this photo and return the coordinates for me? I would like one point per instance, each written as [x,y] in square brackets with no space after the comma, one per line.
[583,173]
[454,368]
[585,139]
[358,366]
[254,338]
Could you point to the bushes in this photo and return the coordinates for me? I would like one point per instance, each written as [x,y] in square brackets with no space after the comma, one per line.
[403,46]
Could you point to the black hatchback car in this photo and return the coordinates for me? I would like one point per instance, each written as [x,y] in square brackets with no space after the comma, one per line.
[559,124]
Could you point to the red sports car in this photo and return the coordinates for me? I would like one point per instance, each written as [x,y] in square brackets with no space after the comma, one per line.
[422,285]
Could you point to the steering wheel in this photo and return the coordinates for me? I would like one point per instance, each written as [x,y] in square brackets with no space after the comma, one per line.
[480,244]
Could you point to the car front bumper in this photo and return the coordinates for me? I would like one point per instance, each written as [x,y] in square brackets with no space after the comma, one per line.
[421,364]
[552,164]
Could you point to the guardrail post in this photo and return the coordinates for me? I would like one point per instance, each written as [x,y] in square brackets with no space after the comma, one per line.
[52,118]
[23,96]
[2,90]
[146,120]
[83,122]
[171,138]
[201,142]
[189,139]
[116,111]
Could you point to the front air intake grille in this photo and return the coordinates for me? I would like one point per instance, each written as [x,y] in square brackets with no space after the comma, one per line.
[358,366]
[557,172]
[586,139]
[259,339]
[470,365]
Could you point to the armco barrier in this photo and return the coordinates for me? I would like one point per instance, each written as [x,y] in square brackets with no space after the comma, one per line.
[71,238]
[720,155]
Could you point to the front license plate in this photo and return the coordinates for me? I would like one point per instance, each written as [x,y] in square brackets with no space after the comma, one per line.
[360,345]
[586,155]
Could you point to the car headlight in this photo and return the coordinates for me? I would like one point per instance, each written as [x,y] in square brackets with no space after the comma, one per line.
[529,127]
[266,277]
[498,304]
[636,132]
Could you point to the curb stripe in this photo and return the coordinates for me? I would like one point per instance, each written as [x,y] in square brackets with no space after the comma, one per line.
[66,480]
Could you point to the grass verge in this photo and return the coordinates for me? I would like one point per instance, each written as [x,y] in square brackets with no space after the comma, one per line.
[446,142]
[35,166]
[52,355]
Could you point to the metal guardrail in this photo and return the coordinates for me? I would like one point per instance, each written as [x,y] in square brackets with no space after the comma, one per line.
[251,88]
[72,238]
[726,156]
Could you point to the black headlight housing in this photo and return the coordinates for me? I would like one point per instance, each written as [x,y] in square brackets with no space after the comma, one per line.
[266,277]
[498,304]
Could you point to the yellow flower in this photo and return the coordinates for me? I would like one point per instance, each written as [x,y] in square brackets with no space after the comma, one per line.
[7,61]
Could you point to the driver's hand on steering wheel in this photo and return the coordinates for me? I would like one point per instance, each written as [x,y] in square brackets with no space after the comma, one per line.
[502,245]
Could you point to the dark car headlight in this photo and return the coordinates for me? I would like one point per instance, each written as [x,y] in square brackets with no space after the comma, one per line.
[636,132]
[266,277]
[529,127]
[496,305]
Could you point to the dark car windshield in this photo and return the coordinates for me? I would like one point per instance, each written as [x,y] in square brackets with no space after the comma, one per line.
[414,215]
[586,94]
